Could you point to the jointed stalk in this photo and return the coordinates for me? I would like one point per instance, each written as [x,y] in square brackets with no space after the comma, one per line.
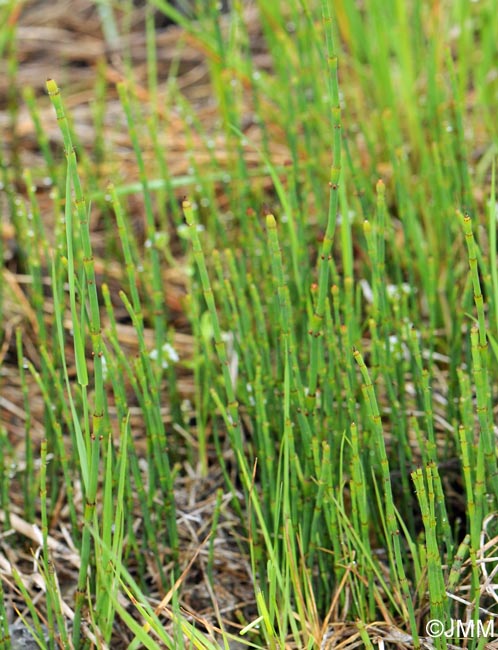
[156,279]
[232,406]
[90,289]
[315,330]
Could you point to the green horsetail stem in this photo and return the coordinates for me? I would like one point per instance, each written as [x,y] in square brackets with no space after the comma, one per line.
[54,421]
[156,279]
[479,348]
[484,412]
[424,486]
[130,265]
[53,598]
[474,271]
[232,406]
[41,136]
[92,319]
[493,262]
[360,503]
[393,534]
[315,330]
[285,310]
[473,479]
[29,486]
[86,248]
[288,345]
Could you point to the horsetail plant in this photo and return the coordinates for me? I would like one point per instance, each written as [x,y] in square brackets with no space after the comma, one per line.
[320,462]
[316,324]
[220,346]
[479,348]
[79,250]
[392,532]
[157,287]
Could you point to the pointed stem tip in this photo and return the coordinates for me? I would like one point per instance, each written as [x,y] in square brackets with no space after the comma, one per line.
[52,87]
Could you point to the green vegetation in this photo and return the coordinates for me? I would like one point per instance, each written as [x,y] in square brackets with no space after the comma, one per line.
[282,292]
